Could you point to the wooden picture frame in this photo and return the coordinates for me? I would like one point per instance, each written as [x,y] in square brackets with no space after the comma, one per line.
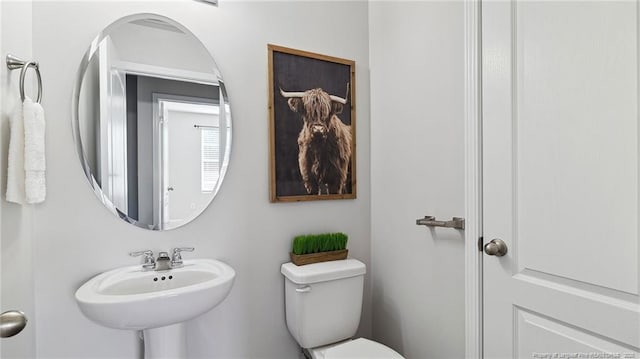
[312,126]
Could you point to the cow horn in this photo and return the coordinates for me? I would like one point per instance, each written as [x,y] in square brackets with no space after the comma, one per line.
[291,94]
[340,99]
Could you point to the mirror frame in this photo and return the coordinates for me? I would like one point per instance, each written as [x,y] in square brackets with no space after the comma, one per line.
[75,117]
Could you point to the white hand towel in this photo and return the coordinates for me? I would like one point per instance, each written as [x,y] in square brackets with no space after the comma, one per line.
[34,156]
[15,169]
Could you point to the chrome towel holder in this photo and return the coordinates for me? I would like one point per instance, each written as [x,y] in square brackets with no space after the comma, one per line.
[14,63]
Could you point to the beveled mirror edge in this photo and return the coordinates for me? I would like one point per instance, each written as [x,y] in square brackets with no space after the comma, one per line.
[227,153]
[75,120]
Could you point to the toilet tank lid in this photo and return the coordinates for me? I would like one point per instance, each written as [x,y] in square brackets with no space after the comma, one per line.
[323,271]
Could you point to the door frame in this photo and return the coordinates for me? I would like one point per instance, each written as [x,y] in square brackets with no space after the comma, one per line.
[473,177]
[160,137]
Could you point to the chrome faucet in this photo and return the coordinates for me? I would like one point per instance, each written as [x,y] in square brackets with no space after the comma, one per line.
[176,260]
[149,261]
[163,262]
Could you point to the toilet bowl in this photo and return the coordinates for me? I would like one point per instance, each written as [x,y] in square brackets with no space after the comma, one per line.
[323,303]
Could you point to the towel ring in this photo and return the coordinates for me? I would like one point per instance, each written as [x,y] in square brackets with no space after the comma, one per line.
[14,63]
[23,72]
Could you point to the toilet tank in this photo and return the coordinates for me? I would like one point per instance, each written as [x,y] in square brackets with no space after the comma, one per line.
[323,301]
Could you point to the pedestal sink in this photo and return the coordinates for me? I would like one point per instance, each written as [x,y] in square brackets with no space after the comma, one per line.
[156,302]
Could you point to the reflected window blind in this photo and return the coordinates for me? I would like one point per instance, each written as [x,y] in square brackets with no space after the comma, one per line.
[210,158]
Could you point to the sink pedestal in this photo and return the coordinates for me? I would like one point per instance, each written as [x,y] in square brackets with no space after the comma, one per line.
[168,342]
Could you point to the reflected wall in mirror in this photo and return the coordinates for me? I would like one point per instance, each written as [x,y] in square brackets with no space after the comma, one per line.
[151,122]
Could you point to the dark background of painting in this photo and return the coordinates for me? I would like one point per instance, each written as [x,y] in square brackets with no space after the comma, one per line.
[296,73]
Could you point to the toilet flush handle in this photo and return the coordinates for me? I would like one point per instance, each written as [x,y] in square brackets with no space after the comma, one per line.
[305,289]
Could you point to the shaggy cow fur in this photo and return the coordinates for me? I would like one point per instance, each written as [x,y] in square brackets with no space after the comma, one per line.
[324,143]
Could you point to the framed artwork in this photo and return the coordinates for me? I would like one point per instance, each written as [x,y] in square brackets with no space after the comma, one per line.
[312,126]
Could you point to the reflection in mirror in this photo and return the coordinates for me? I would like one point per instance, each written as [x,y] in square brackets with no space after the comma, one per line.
[152,123]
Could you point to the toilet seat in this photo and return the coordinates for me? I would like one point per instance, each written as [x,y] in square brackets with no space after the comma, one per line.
[360,348]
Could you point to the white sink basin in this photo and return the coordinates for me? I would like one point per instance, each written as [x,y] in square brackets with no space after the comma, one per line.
[129,298]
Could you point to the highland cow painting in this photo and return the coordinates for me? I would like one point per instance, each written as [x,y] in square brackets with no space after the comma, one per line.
[312,126]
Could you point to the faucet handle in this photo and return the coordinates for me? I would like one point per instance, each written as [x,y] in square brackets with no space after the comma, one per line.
[176,260]
[149,261]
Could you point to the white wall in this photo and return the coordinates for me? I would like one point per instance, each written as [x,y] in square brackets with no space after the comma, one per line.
[416,57]
[15,224]
[74,237]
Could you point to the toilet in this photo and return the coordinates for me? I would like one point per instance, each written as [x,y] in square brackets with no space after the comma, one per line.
[323,303]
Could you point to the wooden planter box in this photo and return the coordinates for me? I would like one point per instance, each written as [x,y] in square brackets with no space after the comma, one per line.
[302,259]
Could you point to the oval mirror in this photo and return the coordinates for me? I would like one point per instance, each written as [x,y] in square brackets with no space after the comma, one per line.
[151,122]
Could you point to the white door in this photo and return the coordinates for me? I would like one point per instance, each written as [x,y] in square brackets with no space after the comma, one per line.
[560,178]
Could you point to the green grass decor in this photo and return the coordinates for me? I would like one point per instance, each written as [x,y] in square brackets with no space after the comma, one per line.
[314,243]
